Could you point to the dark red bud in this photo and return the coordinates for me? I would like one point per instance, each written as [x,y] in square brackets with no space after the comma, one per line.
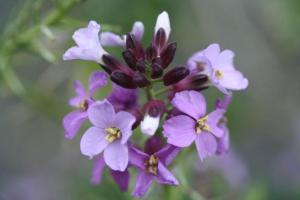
[155,108]
[151,53]
[140,65]
[111,62]
[153,145]
[123,79]
[175,75]
[140,80]
[160,38]
[129,59]
[157,71]
[135,46]
[168,54]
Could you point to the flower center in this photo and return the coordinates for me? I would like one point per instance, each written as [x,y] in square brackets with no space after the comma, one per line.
[83,105]
[200,66]
[201,125]
[219,74]
[151,164]
[113,133]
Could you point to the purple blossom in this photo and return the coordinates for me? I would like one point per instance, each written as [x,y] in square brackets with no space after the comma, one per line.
[152,166]
[218,66]
[123,98]
[163,22]
[196,126]
[121,178]
[83,99]
[109,134]
[112,39]
[88,44]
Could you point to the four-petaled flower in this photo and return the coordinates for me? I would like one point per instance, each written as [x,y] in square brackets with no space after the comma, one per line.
[195,125]
[109,134]
[218,66]
[73,121]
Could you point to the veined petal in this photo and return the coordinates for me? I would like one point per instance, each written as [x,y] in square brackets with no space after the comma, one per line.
[97,80]
[124,121]
[101,114]
[98,167]
[149,124]
[72,123]
[116,156]
[143,183]
[137,157]
[180,131]
[191,103]
[206,145]
[121,178]
[164,176]
[93,142]
[167,154]
[163,21]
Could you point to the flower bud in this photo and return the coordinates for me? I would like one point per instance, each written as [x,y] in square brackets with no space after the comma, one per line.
[151,53]
[160,38]
[175,75]
[122,79]
[168,54]
[129,59]
[157,71]
[135,46]
[140,80]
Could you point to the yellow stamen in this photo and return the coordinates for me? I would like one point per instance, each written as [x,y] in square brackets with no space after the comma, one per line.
[219,74]
[151,164]
[113,133]
[201,125]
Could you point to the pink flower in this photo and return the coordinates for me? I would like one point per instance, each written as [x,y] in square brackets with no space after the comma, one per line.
[218,66]
[109,134]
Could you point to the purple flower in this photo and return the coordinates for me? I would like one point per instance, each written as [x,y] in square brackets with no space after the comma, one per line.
[112,39]
[88,44]
[123,98]
[153,166]
[218,66]
[196,126]
[121,178]
[163,22]
[83,99]
[109,134]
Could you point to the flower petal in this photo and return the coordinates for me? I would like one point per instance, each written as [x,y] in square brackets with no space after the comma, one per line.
[97,80]
[199,63]
[191,103]
[149,125]
[83,54]
[110,39]
[212,52]
[101,114]
[137,158]
[224,61]
[121,178]
[164,176]
[143,183]
[124,121]
[116,156]
[233,80]
[167,154]
[72,123]
[138,30]
[163,21]
[223,142]
[98,167]
[93,142]
[213,122]
[180,131]
[206,145]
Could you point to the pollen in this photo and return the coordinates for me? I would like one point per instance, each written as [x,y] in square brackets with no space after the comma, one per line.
[113,133]
[219,74]
[151,164]
[202,125]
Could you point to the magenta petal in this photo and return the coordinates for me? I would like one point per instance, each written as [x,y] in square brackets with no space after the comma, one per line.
[98,167]
[72,123]
[213,122]
[116,156]
[137,158]
[164,176]
[167,154]
[121,178]
[191,103]
[93,142]
[180,131]
[101,114]
[124,121]
[97,80]
[206,145]
[143,183]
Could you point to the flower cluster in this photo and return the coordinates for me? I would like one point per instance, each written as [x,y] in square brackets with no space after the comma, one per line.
[173,116]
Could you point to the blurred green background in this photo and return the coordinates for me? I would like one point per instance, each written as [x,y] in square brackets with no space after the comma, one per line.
[37,163]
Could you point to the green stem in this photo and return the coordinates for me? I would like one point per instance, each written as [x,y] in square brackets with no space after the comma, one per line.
[161,91]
